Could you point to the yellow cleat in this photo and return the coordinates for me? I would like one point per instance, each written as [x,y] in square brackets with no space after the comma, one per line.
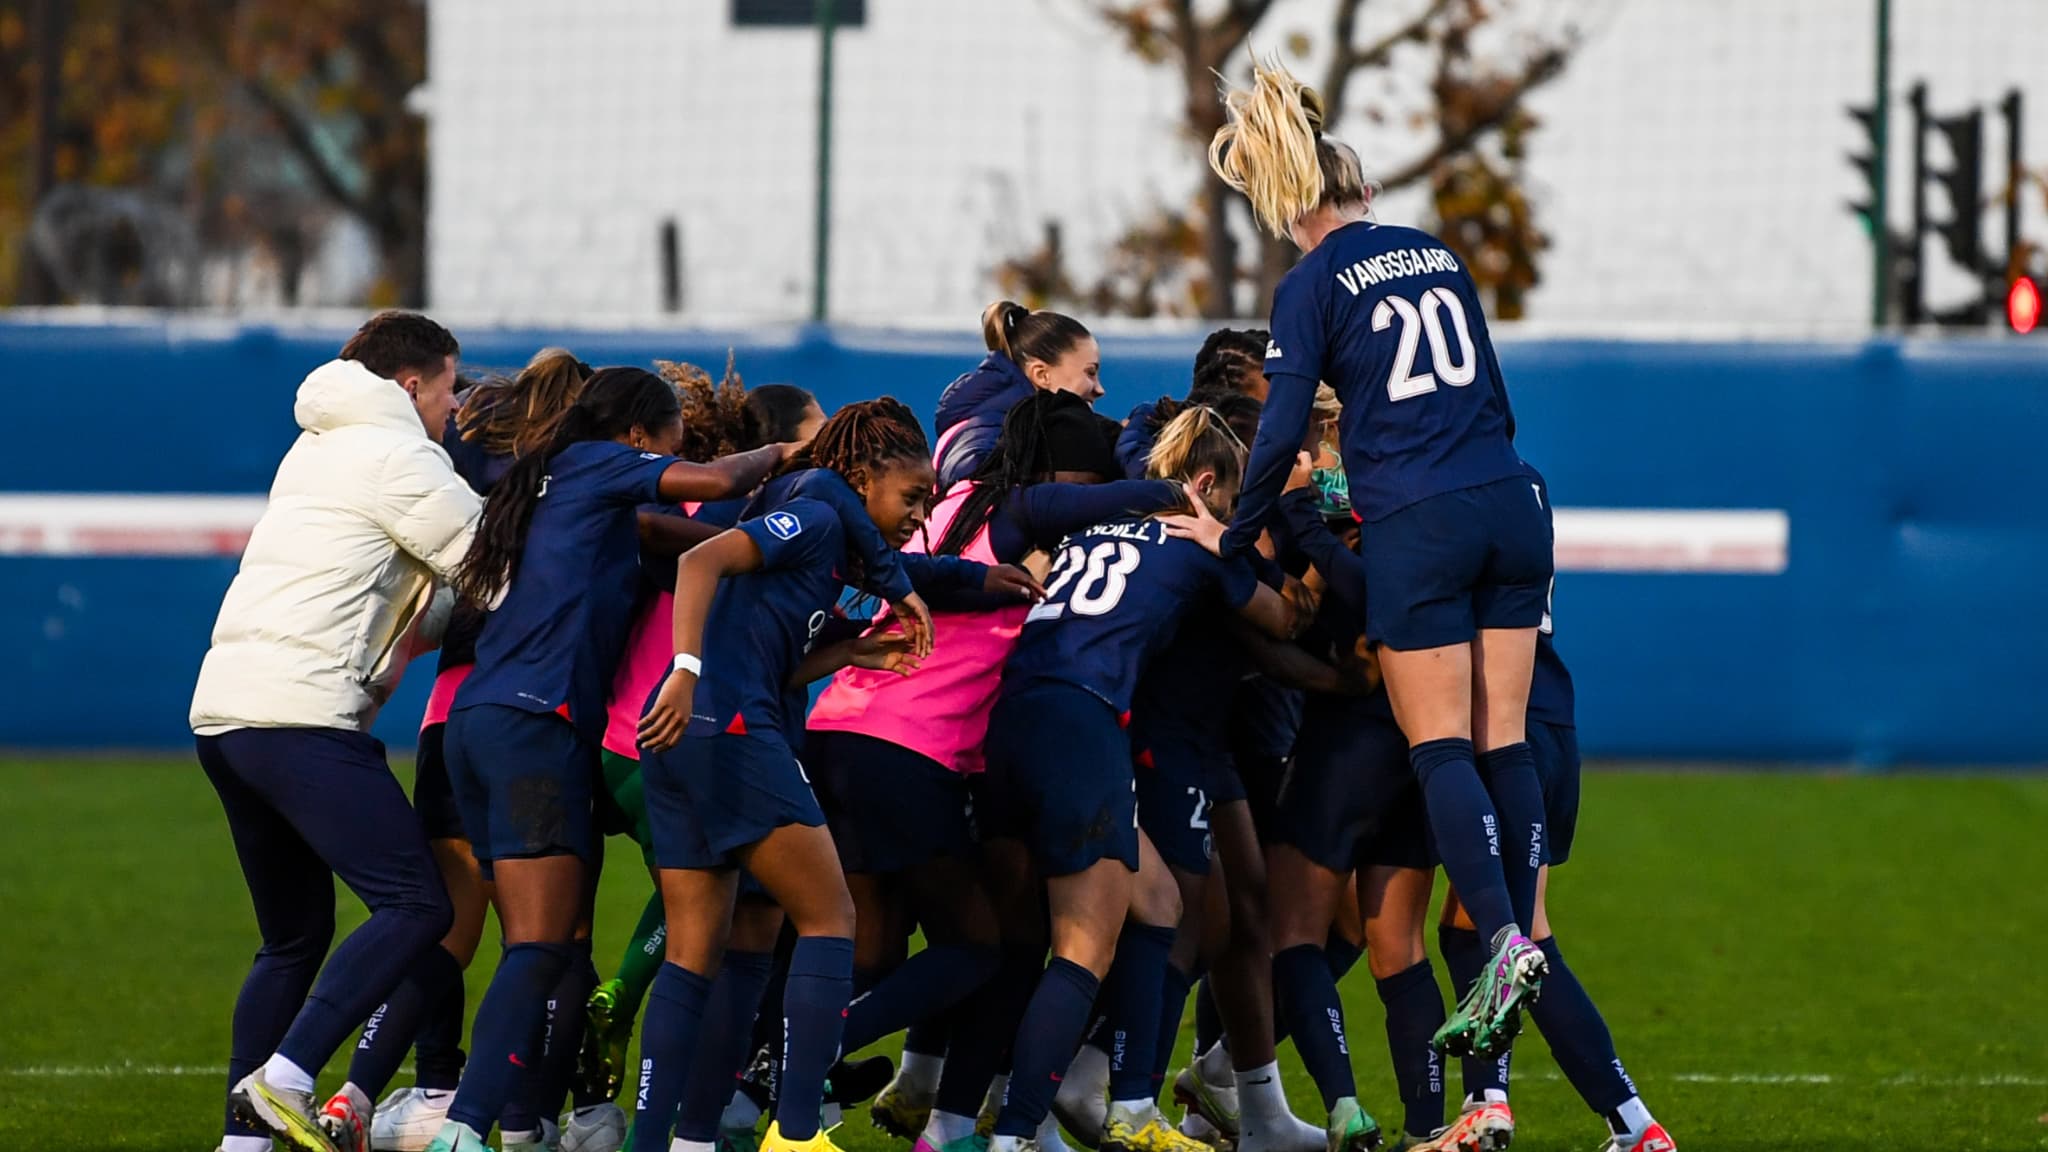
[776,1142]
[1154,1136]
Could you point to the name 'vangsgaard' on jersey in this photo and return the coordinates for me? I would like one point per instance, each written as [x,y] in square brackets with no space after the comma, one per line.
[1389,318]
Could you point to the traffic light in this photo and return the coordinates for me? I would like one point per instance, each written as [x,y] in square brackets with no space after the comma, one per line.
[1963,232]
[1871,164]
[2023,304]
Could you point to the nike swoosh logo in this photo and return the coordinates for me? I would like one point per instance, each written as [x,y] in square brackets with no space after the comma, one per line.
[1261,1080]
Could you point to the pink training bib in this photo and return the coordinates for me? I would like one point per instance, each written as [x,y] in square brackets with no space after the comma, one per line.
[442,698]
[650,652]
[942,709]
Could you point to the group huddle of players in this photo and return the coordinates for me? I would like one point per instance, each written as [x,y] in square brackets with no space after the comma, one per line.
[1115,714]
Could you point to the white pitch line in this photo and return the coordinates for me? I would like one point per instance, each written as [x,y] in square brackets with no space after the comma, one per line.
[1764,1079]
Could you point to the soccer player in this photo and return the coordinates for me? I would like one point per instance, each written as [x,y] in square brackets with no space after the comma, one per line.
[1570,1023]
[1456,541]
[897,760]
[496,422]
[1060,788]
[555,559]
[724,789]
[1027,351]
[365,516]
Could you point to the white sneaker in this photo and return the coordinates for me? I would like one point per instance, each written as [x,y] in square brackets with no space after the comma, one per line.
[1082,1102]
[549,1139]
[598,1128]
[408,1120]
[287,1114]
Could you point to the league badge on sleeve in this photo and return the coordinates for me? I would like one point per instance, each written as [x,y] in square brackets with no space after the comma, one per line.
[784,525]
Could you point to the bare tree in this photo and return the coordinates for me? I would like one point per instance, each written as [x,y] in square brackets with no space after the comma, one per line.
[1471,158]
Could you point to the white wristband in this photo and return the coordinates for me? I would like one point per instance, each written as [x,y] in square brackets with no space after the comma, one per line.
[688,663]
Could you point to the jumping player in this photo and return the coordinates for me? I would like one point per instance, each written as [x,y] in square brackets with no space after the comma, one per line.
[1455,540]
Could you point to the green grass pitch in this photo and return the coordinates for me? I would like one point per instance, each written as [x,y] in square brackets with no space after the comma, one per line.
[1787,961]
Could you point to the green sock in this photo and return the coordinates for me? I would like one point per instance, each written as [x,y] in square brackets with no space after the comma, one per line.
[643,958]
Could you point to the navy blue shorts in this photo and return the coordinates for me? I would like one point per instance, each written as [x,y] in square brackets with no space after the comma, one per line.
[1259,777]
[1350,799]
[1174,800]
[889,808]
[1443,568]
[1557,766]
[710,796]
[1059,779]
[433,794]
[525,781]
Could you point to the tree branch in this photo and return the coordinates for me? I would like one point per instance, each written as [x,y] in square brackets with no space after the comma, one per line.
[299,135]
[1545,67]
[1223,38]
[1346,60]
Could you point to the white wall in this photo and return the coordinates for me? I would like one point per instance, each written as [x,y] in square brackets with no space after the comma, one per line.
[1690,167]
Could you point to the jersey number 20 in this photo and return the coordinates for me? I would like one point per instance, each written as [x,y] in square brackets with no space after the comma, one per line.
[1422,317]
[1102,569]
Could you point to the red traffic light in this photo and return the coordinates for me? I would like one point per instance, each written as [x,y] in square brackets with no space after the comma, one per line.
[2023,305]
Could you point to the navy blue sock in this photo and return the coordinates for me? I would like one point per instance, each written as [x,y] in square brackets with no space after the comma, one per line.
[1467,830]
[1046,1040]
[507,1033]
[1415,1010]
[927,1037]
[1465,955]
[1578,1037]
[1173,1005]
[1208,1019]
[1308,997]
[1131,996]
[397,1022]
[561,1042]
[762,1076]
[928,983]
[724,1041]
[813,1019]
[437,1056]
[984,1026]
[668,1045]
[1510,775]
[1341,955]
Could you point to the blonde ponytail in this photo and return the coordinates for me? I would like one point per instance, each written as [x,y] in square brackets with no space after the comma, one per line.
[1197,441]
[1272,149]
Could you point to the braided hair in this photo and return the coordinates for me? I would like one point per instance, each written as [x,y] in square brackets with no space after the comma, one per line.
[1226,363]
[1037,431]
[860,442]
[614,402]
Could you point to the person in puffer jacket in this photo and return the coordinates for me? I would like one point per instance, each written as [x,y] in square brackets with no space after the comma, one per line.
[1027,351]
[337,589]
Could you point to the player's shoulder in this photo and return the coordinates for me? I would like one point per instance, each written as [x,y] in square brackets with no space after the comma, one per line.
[801,515]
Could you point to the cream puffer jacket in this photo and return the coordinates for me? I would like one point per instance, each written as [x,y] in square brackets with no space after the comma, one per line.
[337,586]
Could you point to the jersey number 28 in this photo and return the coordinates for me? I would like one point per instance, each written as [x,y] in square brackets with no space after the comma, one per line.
[1422,317]
[1102,570]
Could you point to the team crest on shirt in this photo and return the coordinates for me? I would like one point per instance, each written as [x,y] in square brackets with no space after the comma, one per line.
[784,525]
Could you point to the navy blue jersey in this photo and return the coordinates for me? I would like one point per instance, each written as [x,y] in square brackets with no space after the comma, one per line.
[553,642]
[1389,318]
[1114,597]
[763,622]
[478,466]
[1185,697]
[880,566]
[1041,515]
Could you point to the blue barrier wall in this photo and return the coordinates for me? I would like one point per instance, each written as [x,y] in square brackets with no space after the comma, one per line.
[1905,628]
